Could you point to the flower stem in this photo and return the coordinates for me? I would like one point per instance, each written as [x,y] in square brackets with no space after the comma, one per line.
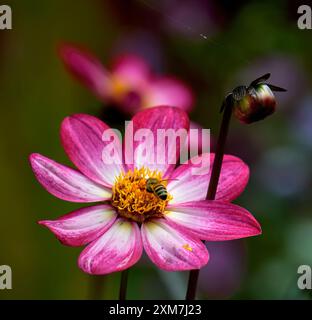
[123,285]
[214,179]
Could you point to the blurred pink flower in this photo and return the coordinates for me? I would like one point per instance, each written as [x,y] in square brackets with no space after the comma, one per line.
[130,218]
[130,83]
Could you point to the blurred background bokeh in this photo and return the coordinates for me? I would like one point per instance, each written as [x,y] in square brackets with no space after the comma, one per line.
[211,45]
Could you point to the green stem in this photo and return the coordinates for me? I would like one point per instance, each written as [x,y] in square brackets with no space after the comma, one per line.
[214,179]
[123,284]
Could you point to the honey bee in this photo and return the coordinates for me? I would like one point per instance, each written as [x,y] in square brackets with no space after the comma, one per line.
[254,102]
[156,187]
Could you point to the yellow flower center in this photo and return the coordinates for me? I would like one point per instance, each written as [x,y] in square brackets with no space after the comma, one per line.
[135,199]
[119,88]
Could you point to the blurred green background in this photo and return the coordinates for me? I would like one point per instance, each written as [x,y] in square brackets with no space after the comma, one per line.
[213,46]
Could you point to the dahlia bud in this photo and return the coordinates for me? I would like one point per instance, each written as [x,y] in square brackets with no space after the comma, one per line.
[255,102]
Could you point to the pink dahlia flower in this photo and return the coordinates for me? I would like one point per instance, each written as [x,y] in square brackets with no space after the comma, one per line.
[130,83]
[129,218]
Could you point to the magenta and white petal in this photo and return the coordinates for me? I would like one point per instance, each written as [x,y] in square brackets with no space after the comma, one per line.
[198,141]
[172,248]
[82,226]
[214,220]
[66,183]
[132,71]
[151,147]
[233,179]
[117,249]
[189,182]
[83,140]
[170,92]
[87,69]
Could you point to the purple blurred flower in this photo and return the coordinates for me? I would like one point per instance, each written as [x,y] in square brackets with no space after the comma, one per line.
[190,18]
[301,121]
[287,170]
[224,274]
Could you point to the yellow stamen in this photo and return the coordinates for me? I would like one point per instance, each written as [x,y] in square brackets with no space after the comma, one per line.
[132,200]
[187,247]
[119,88]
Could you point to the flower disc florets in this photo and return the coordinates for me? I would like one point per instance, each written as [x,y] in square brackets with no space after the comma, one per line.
[131,198]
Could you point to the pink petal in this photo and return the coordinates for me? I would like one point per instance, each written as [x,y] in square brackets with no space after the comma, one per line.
[81,136]
[82,226]
[66,183]
[132,70]
[184,186]
[154,119]
[171,248]
[198,143]
[87,69]
[117,249]
[233,179]
[214,220]
[171,92]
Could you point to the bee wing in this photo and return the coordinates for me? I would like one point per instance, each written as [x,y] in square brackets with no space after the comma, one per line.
[166,180]
[260,79]
[275,88]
